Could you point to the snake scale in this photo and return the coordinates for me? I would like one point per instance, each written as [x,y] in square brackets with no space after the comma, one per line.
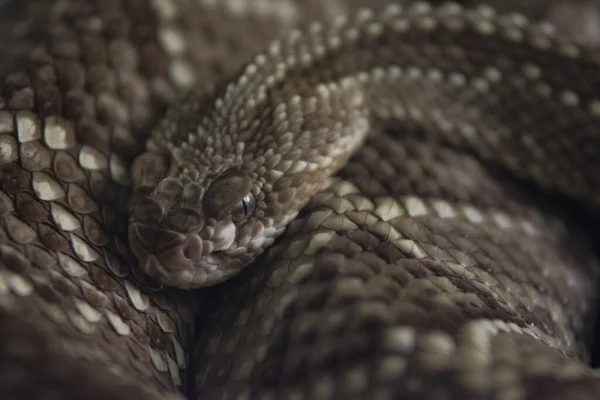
[412,171]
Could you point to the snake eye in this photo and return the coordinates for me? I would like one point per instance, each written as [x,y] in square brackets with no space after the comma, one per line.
[244,209]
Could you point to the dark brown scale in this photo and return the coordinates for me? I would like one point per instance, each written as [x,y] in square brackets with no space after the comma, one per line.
[94,232]
[65,287]
[13,259]
[102,280]
[80,201]
[51,238]
[99,79]
[91,132]
[16,81]
[68,49]
[40,256]
[29,208]
[66,169]
[21,99]
[70,75]
[13,179]
[48,98]
[127,311]
[35,156]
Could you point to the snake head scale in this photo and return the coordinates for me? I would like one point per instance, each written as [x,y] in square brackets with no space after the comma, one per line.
[190,231]
[211,193]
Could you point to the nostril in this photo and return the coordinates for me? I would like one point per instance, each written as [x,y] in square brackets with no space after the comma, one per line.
[191,249]
[186,251]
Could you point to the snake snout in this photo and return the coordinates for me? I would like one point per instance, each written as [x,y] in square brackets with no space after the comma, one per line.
[180,257]
[172,258]
[174,245]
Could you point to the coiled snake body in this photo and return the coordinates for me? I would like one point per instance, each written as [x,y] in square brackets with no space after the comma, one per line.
[400,165]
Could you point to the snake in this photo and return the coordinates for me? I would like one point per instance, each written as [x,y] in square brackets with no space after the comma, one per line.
[278,199]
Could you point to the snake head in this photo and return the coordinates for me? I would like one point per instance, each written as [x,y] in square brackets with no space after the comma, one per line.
[190,230]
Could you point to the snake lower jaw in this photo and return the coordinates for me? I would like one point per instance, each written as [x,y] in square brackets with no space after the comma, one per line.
[184,275]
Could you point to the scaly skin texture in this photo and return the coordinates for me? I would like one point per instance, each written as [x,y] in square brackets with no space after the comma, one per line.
[295,115]
[424,269]
[82,83]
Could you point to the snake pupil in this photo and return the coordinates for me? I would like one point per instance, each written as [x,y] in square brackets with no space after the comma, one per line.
[242,211]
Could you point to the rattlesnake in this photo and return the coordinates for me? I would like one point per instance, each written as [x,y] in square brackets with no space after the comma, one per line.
[439,261]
